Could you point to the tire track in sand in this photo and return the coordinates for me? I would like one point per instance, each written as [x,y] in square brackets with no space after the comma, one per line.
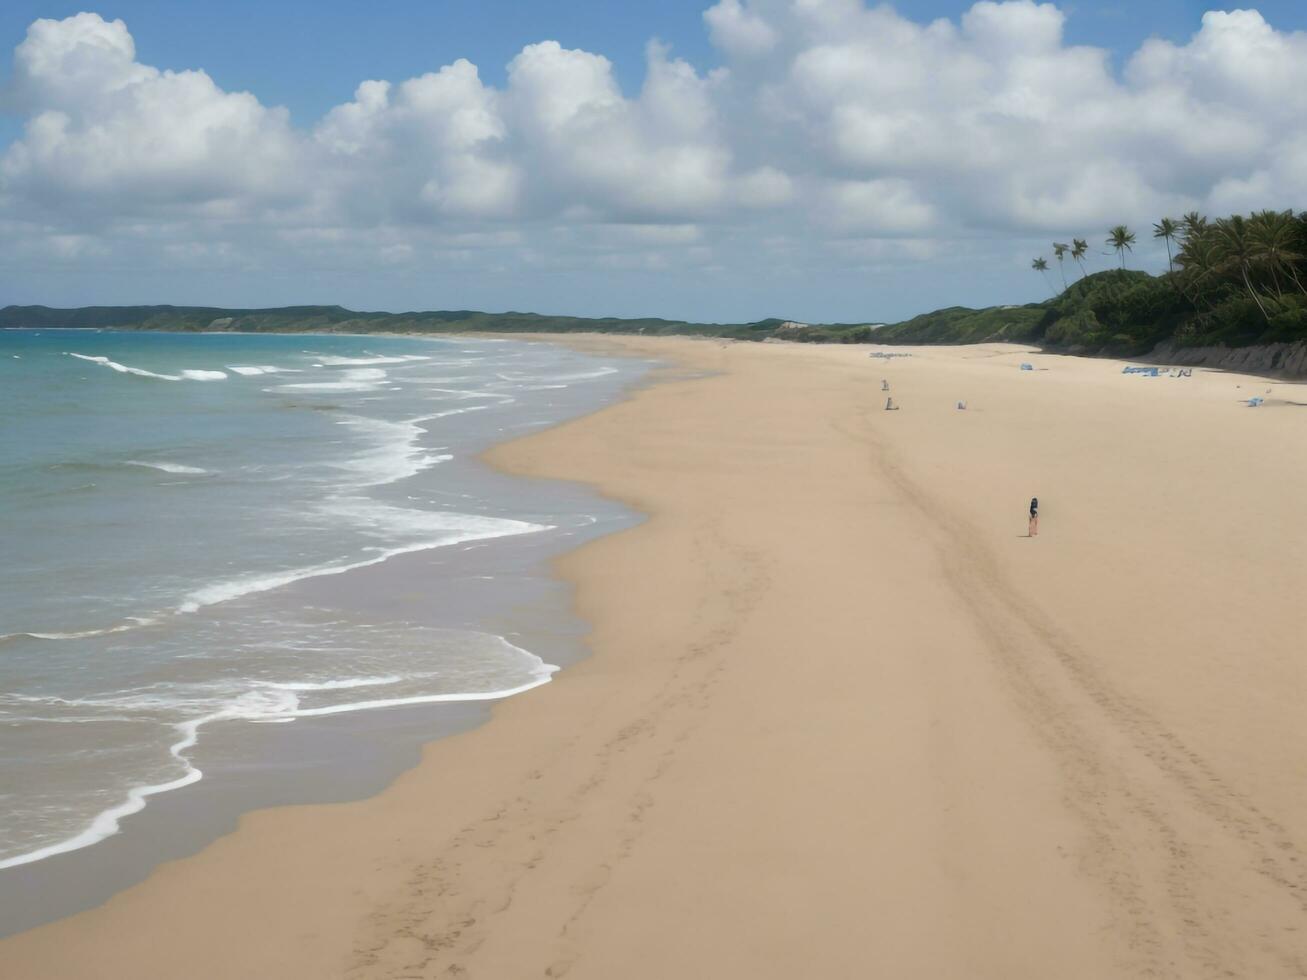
[1201,881]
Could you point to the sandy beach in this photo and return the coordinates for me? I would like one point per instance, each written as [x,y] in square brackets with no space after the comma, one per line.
[843,718]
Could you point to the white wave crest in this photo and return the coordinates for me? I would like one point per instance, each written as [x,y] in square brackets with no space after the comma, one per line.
[167,467]
[395,456]
[448,412]
[135,622]
[341,685]
[601,372]
[358,379]
[377,359]
[188,374]
[442,529]
[253,370]
[123,368]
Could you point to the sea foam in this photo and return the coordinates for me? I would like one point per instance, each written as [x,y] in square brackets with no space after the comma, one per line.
[440,528]
[187,374]
[265,702]
[253,370]
[123,368]
[167,467]
[395,454]
[375,359]
[359,379]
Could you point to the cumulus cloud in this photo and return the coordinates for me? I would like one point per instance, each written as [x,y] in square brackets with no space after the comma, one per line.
[110,133]
[828,121]
[658,156]
[431,146]
[890,204]
[737,31]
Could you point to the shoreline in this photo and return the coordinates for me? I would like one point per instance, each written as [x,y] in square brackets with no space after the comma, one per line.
[843,718]
[248,766]
[1288,359]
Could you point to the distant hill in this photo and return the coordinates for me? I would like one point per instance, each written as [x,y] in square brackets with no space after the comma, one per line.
[337,319]
[1115,312]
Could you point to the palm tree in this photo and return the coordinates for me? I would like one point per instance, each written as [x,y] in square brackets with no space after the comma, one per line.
[1198,262]
[1041,266]
[1079,249]
[1122,239]
[1194,225]
[1274,239]
[1196,255]
[1234,249]
[1059,253]
[1167,229]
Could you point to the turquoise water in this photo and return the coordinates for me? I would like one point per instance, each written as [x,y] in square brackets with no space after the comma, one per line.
[162,495]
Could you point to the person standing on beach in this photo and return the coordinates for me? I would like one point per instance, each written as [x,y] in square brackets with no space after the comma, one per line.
[1034,517]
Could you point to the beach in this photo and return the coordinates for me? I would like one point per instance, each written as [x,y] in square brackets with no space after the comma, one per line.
[841,717]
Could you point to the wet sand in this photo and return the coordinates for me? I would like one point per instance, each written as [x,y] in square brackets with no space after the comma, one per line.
[843,717]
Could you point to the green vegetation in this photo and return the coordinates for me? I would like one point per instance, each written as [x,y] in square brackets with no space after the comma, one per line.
[1060,251]
[1169,230]
[1237,281]
[337,319]
[960,325]
[1118,311]
[1122,239]
[1079,249]
[1041,266]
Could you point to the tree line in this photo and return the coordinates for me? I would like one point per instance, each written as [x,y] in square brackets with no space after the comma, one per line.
[1235,279]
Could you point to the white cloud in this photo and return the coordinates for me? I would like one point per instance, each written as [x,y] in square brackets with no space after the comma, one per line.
[831,121]
[765,187]
[431,147]
[889,206]
[1014,29]
[738,32]
[63,63]
[660,156]
[116,135]
[1237,59]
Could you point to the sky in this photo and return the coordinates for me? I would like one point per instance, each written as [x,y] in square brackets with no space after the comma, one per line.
[820,160]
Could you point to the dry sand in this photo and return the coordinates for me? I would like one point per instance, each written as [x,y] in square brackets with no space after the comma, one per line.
[843,718]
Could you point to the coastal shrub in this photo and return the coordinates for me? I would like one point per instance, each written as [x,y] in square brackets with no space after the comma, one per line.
[1074,330]
[1235,320]
[857,335]
[963,325]
[1120,310]
[1287,319]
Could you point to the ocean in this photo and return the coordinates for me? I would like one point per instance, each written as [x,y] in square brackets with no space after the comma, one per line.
[189,520]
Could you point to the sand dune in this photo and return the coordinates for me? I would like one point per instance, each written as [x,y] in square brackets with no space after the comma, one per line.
[843,718]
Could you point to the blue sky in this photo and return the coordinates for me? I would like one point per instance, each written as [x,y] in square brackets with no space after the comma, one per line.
[844,229]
